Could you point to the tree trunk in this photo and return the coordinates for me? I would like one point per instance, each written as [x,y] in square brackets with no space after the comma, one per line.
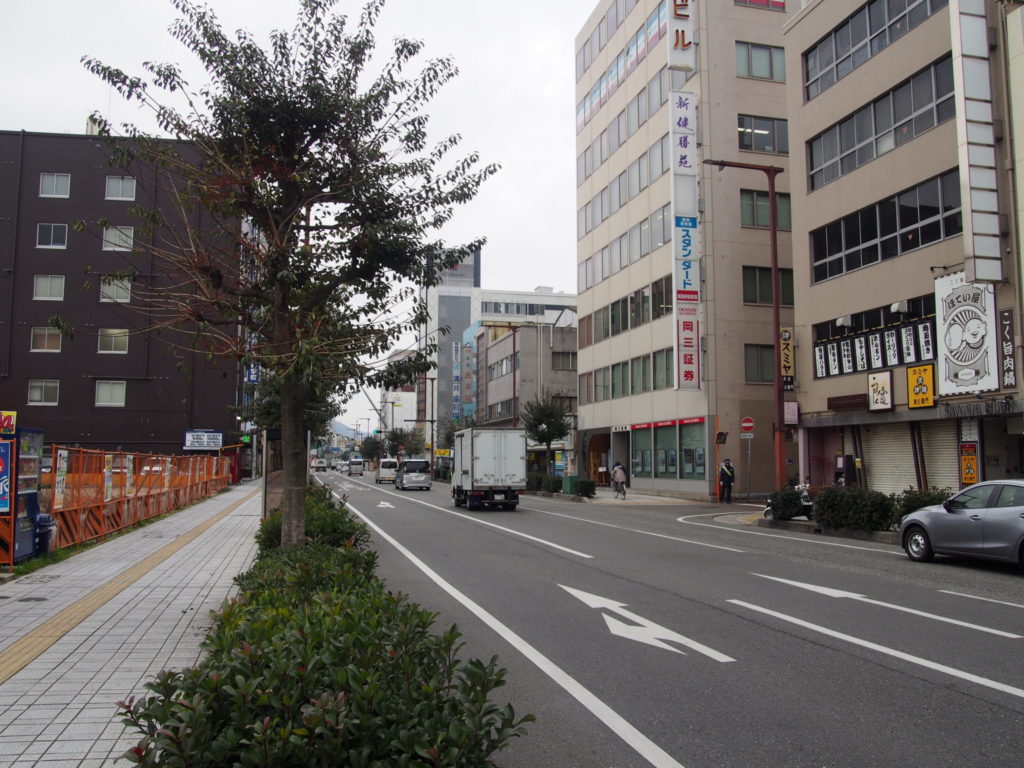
[551,468]
[296,459]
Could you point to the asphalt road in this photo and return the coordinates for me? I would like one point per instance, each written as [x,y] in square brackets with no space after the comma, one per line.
[675,635]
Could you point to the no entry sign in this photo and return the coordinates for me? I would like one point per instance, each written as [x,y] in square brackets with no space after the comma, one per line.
[747,424]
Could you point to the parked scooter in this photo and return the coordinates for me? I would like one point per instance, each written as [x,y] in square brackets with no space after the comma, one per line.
[806,503]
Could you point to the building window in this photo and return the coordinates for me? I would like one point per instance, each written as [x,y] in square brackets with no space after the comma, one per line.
[661,297]
[601,330]
[663,362]
[754,210]
[116,290]
[51,236]
[602,385]
[118,238]
[763,134]
[775,5]
[48,287]
[641,439]
[640,368]
[619,316]
[54,184]
[640,307]
[915,217]
[563,361]
[43,391]
[757,286]
[120,188]
[620,380]
[916,106]
[762,62]
[113,341]
[45,340]
[110,394]
[691,451]
[586,388]
[759,363]
[864,34]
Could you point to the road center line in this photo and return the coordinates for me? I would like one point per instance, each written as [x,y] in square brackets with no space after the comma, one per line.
[646,748]
[512,531]
[934,665]
[688,519]
[635,530]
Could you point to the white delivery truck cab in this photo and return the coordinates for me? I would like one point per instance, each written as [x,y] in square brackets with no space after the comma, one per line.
[489,467]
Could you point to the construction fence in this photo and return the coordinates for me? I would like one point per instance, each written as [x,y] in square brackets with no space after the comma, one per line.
[91,494]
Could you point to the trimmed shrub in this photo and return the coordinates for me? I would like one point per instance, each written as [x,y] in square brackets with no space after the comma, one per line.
[786,503]
[586,488]
[535,481]
[553,484]
[853,507]
[327,522]
[315,663]
[911,500]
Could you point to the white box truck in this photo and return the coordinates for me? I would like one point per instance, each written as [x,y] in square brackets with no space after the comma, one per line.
[488,467]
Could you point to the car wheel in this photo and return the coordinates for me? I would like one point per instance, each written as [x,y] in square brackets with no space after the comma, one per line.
[917,545]
[769,514]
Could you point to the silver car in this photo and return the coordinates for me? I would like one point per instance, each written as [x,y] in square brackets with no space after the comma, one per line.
[413,473]
[985,520]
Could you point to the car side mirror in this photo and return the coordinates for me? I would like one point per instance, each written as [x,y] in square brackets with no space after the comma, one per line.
[947,506]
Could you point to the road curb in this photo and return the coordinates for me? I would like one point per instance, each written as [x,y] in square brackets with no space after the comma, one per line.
[807,526]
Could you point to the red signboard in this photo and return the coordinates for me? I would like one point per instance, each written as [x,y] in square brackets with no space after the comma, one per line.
[747,424]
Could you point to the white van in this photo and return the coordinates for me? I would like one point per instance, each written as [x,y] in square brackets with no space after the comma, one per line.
[413,473]
[355,466]
[386,470]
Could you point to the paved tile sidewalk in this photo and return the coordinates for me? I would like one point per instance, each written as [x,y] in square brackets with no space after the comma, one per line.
[60,710]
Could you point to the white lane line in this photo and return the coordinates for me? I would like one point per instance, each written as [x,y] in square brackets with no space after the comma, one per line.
[512,531]
[646,748]
[986,599]
[688,519]
[634,530]
[840,593]
[934,665]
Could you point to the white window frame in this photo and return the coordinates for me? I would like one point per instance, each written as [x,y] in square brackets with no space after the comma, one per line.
[119,182]
[123,386]
[54,177]
[113,338]
[37,295]
[114,238]
[46,335]
[43,385]
[116,290]
[51,247]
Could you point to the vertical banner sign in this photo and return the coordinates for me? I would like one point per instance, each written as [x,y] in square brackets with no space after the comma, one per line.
[787,365]
[60,479]
[5,477]
[457,379]
[967,336]
[880,391]
[682,54]
[129,475]
[686,251]
[108,477]
[1007,360]
[921,386]
[968,464]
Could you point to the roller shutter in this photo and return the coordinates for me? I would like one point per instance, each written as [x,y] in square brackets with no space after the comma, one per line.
[941,453]
[888,457]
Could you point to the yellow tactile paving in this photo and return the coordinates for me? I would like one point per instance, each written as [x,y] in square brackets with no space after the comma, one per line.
[16,656]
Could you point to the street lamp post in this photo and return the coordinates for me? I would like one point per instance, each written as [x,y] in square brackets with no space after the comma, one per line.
[771,171]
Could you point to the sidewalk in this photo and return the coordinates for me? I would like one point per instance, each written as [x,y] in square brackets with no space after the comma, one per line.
[109,619]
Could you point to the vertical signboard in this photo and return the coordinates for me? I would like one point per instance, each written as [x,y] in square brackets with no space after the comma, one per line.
[1007,359]
[787,362]
[682,53]
[968,464]
[921,386]
[457,380]
[5,477]
[686,251]
[60,479]
[966,333]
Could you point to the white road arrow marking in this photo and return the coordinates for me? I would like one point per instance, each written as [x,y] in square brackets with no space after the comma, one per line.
[829,592]
[385,505]
[644,630]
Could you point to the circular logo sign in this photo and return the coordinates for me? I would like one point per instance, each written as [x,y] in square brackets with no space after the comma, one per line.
[747,424]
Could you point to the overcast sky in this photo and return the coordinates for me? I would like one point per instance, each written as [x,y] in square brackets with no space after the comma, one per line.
[513,100]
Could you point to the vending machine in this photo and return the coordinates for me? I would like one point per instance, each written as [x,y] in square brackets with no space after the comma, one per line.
[21,462]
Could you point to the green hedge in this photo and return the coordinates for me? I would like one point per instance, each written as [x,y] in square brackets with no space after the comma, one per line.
[854,507]
[786,503]
[315,663]
[586,488]
[326,522]
[535,481]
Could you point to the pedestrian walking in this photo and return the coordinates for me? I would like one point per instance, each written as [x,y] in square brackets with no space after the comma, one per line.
[726,477]
[619,479]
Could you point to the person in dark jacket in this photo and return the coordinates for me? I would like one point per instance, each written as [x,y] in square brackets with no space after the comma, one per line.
[726,477]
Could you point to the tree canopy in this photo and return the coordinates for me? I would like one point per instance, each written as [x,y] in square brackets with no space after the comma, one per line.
[321,198]
[545,421]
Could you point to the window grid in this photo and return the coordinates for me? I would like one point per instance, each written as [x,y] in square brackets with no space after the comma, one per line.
[763,134]
[54,184]
[755,211]
[45,340]
[113,341]
[43,391]
[759,363]
[760,62]
[51,236]
[916,106]
[118,238]
[924,214]
[864,34]
[774,5]
[48,288]
[117,290]
[757,286]
[120,188]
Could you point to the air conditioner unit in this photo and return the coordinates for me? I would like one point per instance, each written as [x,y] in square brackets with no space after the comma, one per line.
[900,307]
[846,321]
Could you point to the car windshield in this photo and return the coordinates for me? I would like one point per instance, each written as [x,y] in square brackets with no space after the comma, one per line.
[416,466]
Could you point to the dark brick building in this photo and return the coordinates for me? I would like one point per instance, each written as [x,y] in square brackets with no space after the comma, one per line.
[109,383]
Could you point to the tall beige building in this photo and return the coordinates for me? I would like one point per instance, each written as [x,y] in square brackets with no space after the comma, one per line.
[675,333]
[906,251]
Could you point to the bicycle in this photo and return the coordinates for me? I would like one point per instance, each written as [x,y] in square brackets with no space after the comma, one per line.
[620,488]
